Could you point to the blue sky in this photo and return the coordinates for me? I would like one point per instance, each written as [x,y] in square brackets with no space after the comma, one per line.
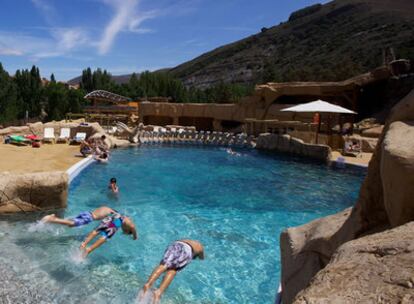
[123,36]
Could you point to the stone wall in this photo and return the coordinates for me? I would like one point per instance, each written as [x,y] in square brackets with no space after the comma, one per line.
[385,201]
[291,145]
[33,191]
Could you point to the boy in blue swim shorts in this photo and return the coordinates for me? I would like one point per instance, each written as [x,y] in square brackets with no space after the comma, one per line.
[107,229]
[83,218]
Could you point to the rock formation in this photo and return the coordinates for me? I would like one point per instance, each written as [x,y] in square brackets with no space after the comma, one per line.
[385,201]
[288,144]
[33,191]
[378,268]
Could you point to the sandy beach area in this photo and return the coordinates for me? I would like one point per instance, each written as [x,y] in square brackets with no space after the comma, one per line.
[49,157]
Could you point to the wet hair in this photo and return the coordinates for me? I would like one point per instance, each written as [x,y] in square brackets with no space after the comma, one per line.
[104,155]
[112,180]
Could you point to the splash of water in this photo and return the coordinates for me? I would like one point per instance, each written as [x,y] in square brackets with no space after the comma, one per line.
[76,256]
[144,298]
[40,226]
[233,153]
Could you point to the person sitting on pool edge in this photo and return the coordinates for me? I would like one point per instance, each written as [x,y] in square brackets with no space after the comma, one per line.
[106,229]
[85,148]
[113,186]
[83,218]
[177,256]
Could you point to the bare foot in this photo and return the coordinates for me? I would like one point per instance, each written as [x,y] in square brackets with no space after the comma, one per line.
[85,253]
[143,292]
[157,296]
[48,218]
[145,288]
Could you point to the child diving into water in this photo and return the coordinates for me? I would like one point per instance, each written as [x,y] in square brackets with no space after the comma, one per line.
[106,229]
[111,221]
[177,256]
[83,218]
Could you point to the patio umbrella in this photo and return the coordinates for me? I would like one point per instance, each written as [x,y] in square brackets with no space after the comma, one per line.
[318,106]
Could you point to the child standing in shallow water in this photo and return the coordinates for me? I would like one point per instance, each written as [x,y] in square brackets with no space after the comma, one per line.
[113,186]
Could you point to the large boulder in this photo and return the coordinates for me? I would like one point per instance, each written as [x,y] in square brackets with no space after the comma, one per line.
[373,132]
[33,191]
[378,268]
[288,144]
[307,249]
[385,201]
[398,164]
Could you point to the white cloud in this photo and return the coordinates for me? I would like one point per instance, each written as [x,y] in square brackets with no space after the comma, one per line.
[46,8]
[126,17]
[69,38]
[61,42]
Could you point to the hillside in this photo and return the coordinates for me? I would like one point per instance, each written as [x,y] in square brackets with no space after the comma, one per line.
[322,42]
[119,79]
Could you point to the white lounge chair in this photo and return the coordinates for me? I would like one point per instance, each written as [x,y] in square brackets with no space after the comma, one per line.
[49,135]
[64,135]
[80,136]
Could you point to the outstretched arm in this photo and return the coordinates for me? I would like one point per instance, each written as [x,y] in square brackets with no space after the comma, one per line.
[89,238]
[114,188]
[95,245]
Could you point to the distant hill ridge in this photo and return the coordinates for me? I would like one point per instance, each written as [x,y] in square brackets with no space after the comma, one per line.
[120,79]
[334,41]
[322,42]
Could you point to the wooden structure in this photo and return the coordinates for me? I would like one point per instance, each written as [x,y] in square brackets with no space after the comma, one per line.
[107,108]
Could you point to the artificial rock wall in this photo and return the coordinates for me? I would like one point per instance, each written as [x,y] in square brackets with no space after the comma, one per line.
[356,241]
[288,144]
[33,191]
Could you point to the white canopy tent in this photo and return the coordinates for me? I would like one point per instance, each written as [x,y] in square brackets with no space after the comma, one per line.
[318,106]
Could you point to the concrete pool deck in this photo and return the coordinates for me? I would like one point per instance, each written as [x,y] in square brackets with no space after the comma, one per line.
[49,157]
[361,161]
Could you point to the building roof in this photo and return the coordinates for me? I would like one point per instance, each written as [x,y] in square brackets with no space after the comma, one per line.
[107,96]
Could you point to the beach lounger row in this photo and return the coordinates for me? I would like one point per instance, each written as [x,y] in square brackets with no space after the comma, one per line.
[183,136]
[48,137]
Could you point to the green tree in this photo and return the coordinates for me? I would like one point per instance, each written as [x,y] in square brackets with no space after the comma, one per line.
[9,102]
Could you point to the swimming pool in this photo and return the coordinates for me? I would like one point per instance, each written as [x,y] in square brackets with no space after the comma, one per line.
[236,205]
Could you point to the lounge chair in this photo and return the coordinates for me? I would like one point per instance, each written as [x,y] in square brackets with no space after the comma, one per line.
[79,137]
[64,135]
[352,149]
[49,135]
[19,140]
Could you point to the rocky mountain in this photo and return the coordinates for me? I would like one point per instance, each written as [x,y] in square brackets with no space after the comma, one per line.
[322,42]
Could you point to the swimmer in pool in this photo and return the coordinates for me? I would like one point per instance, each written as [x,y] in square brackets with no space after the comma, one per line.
[106,229]
[113,186]
[177,256]
[231,152]
[83,218]
[102,158]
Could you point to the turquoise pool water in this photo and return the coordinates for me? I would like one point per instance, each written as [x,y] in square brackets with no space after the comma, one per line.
[235,205]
